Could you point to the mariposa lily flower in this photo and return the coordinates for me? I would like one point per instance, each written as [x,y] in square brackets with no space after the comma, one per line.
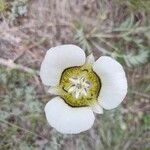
[83,87]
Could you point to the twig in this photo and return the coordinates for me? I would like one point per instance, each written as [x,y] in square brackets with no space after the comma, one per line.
[109,44]
[140,94]
[104,51]
[18,127]
[125,32]
[12,65]
[27,49]
[18,56]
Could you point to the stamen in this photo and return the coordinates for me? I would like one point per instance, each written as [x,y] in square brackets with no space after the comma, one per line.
[79,86]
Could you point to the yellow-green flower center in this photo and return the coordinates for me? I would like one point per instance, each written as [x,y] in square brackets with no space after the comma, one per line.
[79,86]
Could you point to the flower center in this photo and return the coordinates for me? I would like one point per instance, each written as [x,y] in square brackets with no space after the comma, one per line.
[79,86]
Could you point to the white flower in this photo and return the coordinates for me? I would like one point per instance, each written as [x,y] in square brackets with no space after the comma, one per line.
[82,86]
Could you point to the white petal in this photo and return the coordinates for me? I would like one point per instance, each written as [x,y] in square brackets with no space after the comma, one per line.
[66,119]
[113,80]
[97,109]
[57,59]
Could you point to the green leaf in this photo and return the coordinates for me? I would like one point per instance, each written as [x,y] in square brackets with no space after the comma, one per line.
[80,38]
[136,59]
[128,23]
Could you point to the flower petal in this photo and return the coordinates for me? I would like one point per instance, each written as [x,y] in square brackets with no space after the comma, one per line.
[97,109]
[113,80]
[57,59]
[66,119]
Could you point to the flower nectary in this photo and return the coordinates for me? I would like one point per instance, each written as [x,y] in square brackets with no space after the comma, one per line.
[79,86]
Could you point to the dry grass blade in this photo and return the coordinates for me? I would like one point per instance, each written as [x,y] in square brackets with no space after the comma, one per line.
[10,64]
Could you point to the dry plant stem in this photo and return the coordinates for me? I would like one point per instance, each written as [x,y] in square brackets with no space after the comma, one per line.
[109,44]
[18,56]
[27,49]
[16,126]
[126,32]
[141,94]
[12,65]
[104,51]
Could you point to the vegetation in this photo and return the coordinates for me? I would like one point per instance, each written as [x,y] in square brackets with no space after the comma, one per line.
[117,28]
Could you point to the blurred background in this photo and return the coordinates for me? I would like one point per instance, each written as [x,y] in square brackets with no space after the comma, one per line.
[117,28]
